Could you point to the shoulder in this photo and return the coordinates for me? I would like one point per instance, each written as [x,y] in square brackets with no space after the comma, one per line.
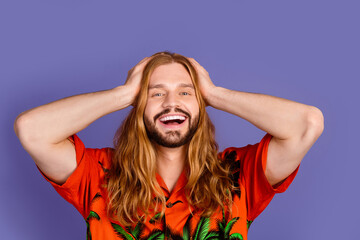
[233,154]
[102,157]
[239,153]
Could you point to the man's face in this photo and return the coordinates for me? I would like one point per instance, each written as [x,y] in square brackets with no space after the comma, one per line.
[172,110]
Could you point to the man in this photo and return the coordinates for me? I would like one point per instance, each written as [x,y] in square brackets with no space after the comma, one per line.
[164,178]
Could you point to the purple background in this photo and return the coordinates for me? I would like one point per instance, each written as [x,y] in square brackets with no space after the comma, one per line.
[306,51]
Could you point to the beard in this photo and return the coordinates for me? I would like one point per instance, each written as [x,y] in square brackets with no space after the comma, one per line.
[172,138]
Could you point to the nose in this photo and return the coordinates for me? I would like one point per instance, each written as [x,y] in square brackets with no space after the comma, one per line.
[171,100]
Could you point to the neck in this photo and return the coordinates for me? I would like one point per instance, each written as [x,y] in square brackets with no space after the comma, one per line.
[171,158]
[170,162]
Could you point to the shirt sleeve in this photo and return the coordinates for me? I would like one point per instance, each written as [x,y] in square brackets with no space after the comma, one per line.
[251,161]
[85,181]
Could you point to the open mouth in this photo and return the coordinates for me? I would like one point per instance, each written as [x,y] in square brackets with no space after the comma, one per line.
[175,120]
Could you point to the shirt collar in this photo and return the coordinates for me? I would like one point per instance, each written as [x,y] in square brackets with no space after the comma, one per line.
[180,184]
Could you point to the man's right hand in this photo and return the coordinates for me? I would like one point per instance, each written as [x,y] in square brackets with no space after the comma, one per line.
[134,77]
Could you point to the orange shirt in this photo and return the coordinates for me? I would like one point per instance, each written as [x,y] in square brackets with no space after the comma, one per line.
[83,190]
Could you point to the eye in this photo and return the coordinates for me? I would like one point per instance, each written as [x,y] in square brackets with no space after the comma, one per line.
[157,94]
[185,93]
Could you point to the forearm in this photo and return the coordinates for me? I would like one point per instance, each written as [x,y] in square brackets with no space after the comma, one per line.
[55,121]
[280,117]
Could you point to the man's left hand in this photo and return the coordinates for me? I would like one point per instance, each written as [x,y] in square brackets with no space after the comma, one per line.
[205,84]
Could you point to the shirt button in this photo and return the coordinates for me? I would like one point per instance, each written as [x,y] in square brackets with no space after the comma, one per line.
[169,205]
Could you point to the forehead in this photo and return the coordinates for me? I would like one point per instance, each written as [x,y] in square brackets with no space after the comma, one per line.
[170,74]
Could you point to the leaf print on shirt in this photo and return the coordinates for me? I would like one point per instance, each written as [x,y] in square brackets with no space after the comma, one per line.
[230,160]
[156,235]
[121,232]
[248,223]
[92,215]
[103,168]
[136,233]
[224,228]
[201,231]
[155,218]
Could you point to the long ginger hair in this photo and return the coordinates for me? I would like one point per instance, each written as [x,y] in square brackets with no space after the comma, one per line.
[131,183]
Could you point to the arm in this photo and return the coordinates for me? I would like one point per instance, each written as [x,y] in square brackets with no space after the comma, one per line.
[294,126]
[43,131]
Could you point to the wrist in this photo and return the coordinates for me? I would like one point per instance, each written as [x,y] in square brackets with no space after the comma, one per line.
[214,96]
[123,96]
[211,95]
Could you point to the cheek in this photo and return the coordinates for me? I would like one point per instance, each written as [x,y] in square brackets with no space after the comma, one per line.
[151,109]
[194,106]
[147,110]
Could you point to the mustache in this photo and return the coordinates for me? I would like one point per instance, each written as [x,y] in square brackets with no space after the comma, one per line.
[165,111]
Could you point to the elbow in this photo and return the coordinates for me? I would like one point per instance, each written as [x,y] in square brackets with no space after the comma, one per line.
[18,123]
[315,121]
[22,128]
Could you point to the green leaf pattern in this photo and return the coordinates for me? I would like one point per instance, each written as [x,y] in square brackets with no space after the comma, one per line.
[202,231]
[248,223]
[92,214]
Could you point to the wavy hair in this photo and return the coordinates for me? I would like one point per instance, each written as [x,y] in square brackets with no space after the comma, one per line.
[133,168]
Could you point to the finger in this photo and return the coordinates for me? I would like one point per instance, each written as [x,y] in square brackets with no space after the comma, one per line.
[195,62]
[142,60]
[192,61]
[146,60]
[142,63]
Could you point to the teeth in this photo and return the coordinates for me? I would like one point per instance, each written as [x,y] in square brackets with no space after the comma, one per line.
[177,117]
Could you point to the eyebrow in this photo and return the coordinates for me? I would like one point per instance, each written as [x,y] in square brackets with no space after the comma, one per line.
[163,86]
